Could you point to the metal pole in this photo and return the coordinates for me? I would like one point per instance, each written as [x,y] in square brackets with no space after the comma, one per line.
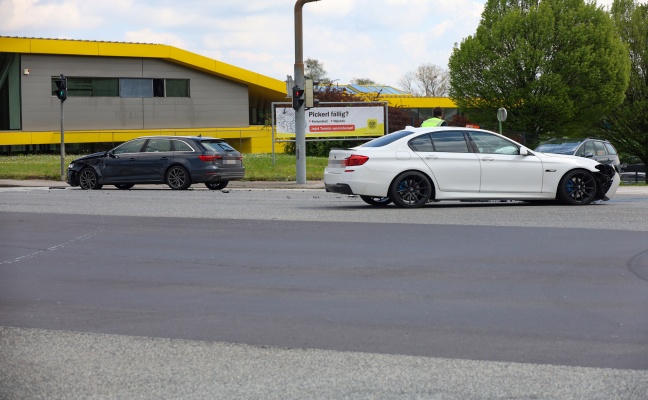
[300,114]
[62,146]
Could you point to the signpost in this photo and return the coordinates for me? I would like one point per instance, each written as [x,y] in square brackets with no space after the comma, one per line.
[501,117]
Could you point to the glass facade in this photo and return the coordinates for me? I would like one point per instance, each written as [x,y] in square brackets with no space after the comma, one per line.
[10,91]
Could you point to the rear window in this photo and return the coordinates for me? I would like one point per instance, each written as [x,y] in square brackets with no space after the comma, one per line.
[387,139]
[217,145]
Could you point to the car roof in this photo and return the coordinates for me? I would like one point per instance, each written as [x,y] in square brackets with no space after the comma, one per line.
[199,138]
[573,140]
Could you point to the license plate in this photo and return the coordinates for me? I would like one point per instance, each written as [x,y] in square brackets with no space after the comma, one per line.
[336,163]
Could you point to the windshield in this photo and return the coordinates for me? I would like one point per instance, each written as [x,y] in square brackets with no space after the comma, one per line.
[387,139]
[559,147]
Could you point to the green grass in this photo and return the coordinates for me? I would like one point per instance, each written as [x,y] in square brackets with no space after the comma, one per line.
[258,167]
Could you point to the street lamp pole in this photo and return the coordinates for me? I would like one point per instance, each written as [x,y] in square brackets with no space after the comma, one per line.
[300,114]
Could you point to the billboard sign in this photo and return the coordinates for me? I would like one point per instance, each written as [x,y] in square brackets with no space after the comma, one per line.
[334,121]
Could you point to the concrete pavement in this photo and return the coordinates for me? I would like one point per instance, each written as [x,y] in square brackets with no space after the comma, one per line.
[624,189]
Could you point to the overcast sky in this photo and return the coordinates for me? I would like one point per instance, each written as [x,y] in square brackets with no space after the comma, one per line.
[376,39]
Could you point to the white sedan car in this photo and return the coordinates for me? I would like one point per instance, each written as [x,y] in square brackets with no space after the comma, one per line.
[417,165]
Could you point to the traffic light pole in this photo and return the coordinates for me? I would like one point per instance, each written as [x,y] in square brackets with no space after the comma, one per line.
[61,94]
[300,115]
[62,146]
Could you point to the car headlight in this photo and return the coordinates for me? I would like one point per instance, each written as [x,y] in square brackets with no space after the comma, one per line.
[71,165]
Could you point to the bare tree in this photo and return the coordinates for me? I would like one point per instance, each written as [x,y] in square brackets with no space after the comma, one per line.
[407,82]
[427,80]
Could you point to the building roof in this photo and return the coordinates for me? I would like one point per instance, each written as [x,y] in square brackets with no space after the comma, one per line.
[255,81]
[374,89]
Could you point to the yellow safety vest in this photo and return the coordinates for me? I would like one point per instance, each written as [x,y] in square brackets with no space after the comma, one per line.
[434,121]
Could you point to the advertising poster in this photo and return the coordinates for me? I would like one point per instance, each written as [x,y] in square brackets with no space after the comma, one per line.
[334,121]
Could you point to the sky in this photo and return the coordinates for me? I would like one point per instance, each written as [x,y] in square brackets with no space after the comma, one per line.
[370,39]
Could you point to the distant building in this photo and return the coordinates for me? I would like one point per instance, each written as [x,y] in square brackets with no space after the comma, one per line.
[118,91]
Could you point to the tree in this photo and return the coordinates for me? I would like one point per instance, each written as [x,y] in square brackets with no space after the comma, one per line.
[557,66]
[362,81]
[427,80]
[315,70]
[627,125]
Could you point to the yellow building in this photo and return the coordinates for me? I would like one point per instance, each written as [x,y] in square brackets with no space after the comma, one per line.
[119,91]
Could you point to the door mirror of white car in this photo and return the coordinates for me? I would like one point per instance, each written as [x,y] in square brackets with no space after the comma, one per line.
[524,151]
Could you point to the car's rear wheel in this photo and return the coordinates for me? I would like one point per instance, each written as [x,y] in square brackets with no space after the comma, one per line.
[376,201]
[216,185]
[178,178]
[88,179]
[410,189]
[577,187]
[124,186]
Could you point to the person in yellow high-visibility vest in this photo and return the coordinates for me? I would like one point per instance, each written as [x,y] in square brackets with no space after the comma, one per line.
[436,120]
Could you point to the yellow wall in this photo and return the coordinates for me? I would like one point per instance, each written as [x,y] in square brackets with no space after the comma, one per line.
[255,139]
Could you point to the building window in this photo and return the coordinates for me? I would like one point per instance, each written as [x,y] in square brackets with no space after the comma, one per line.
[92,87]
[177,87]
[158,87]
[135,87]
[125,87]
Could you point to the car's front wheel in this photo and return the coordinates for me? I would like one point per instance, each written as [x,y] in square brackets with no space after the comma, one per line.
[88,179]
[376,201]
[577,187]
[410,189]
[216,185]
[177,178]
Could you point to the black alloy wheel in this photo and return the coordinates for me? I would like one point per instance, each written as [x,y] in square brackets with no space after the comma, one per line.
[124,186]
[88,179]
[216,185]
[410,189]
[178,178]
[376,201]
[577,187]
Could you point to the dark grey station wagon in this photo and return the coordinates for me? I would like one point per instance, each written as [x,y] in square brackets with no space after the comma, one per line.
[177,161]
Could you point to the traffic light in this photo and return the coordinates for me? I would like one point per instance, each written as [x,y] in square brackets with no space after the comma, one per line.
[297,96]
[61,88]
[309,93]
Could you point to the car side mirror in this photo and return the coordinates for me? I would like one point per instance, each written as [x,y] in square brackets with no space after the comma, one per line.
[110,154]
[524,151]
[589,155]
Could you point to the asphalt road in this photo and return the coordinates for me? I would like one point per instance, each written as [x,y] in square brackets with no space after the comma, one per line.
[152,293]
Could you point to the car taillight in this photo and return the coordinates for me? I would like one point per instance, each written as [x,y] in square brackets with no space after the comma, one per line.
[355,160]
[210,157]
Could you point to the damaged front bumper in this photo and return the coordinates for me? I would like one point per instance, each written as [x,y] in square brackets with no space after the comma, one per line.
[608,181]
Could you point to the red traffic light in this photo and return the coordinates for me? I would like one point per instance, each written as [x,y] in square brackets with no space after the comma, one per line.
[297,97]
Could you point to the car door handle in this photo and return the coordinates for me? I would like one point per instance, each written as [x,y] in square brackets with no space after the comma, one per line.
[488,159]
[431,157]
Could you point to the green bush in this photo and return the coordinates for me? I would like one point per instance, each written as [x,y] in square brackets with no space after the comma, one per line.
[322,149]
